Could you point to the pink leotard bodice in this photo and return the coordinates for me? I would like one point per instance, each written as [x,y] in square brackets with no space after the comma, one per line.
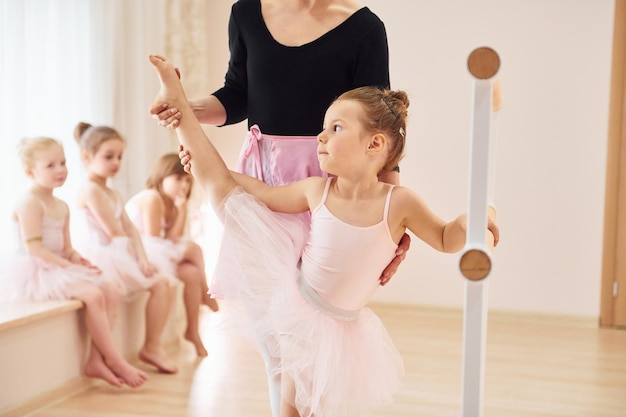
[51,235]
[94,234]
[134,214]
[343,262]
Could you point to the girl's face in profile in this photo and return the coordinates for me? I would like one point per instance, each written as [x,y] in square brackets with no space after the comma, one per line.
[177,186]
[339,144]
[107,160]
[49,170]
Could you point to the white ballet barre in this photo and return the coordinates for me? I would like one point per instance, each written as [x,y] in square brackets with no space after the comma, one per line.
[475,263]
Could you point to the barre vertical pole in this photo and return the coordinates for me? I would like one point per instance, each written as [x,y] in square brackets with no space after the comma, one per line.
[475,263]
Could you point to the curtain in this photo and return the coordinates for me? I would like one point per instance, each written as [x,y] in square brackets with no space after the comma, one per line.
[65,61]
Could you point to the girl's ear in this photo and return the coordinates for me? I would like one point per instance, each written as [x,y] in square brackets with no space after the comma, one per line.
[29,172]
[377,143]
[84,155]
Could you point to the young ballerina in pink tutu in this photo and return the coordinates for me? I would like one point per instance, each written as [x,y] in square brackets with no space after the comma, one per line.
[160,215]
[309,309]
[46,266]
[111,241]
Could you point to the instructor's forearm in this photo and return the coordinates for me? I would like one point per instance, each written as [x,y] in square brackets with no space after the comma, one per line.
[209,110]
[209,170]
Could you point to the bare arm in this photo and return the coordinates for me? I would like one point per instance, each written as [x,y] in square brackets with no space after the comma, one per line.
[292,198]
[393,177]
[208,110]
[135,238]
[69,252]
[443,236]
[151,208]
[285,199]
[177,229]
[98,202]
[416,216]
[29,214]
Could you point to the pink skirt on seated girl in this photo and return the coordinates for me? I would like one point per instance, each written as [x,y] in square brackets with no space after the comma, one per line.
[27,278]
[165,254]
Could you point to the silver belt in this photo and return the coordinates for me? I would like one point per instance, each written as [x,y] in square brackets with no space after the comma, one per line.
[324,306]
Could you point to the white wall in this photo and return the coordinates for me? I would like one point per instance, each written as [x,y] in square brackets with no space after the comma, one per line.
[552,140]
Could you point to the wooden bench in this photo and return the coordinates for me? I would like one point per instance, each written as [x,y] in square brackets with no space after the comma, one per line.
[43,347]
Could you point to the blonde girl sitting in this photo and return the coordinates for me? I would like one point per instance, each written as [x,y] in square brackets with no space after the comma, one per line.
[47,267]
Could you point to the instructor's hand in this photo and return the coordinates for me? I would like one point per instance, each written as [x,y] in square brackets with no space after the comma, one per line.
[390,270]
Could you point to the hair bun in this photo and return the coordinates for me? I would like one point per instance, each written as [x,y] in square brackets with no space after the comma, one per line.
[80,128]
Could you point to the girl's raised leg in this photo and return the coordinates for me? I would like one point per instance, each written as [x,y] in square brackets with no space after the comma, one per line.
[213,174]
[287,398]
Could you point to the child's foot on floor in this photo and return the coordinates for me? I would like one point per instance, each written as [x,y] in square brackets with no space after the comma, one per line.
[96,368]
[132,376]
[158,359]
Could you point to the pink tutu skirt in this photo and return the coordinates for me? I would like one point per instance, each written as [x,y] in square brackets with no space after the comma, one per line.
[165,254]
[338,363]
[118,265]
[27,278]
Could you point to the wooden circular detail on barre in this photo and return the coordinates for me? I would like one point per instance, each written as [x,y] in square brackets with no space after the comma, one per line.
[475,264]
[483,63]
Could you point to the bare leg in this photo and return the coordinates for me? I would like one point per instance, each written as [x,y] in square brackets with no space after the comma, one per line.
[157,310]
[195,256]
[273,382]
[95,367]
[288,396]
[192,295]
[105,361]
[112,302]
[213,174]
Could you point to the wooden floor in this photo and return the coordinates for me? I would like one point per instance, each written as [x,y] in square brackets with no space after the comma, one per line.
[539,369]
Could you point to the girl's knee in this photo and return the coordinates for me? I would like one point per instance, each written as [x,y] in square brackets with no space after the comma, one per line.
[189,273]
[194,252]
[111,293]
[161,286]
[91,296]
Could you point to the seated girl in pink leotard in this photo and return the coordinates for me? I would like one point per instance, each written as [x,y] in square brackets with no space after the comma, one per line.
[160,215]
[112,243]
[309,309]
[46,266]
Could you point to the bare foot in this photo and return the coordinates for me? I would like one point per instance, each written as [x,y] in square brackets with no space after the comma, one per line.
[210,302]
[197,342]
[171,89]
[96,368]
[159,359]
[132,376]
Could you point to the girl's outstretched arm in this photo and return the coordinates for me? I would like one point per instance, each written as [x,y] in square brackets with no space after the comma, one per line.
[297,197]
[443,236]
[209,168]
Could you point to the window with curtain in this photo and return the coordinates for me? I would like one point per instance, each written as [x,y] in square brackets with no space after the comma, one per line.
[65,61]
[50,71]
